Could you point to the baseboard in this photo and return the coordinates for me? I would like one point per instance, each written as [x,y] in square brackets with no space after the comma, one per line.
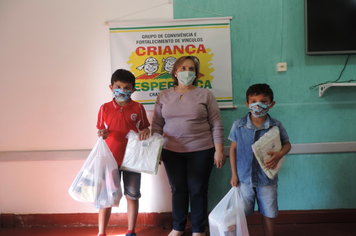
[310,217]
[165,219]
[82,219]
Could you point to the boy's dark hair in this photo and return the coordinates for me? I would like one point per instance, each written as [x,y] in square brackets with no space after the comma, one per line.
[258,89]
[123,75]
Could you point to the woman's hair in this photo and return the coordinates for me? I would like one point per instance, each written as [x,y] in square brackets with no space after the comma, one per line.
[179,62]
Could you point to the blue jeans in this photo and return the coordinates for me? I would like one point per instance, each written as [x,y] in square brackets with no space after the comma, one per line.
[132,183]
[188,175]
[266,199]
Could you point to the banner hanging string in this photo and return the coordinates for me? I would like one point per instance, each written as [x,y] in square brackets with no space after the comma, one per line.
[169,2]
[199,9]
[107,22]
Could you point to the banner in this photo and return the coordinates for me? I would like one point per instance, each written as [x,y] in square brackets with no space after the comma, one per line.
[149,50]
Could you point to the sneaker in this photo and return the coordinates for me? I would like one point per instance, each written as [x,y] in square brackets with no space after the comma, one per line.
[175,233]
[130,234]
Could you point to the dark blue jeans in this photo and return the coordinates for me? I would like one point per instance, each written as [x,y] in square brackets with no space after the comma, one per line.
[188,175]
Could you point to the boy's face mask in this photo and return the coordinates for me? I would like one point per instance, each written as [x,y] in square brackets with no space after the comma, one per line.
[122,95]
[259,109]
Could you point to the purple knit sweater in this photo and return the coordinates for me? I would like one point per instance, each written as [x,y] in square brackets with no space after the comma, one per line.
[189,124]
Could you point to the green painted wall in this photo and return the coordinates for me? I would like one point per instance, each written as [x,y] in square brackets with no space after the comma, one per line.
[264,33]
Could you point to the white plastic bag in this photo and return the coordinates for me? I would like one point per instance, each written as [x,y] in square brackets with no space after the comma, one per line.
[98,182]
[228,217]
[269,142]
[142,156]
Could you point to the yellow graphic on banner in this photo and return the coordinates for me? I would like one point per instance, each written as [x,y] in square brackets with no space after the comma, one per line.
[152,66]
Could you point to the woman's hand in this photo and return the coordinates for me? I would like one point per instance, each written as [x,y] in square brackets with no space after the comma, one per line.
[219,158]
[144,134]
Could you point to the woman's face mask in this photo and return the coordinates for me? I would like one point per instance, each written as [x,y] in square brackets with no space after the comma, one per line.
[259,109]
[122,95]
[186,77]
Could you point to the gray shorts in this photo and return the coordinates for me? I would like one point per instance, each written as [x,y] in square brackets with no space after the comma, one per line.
[132,183]
[266,199]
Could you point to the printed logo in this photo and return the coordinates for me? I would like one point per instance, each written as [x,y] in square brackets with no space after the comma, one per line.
[145,144]
[134,116]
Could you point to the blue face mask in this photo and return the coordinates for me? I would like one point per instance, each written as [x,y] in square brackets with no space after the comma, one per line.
[259,109]
[122,95]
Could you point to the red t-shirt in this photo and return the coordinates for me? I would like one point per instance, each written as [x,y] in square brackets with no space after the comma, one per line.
[119,121]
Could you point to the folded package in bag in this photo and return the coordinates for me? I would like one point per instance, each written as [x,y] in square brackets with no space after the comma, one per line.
[98,181]
[142,156]
[228,216]
[269,142]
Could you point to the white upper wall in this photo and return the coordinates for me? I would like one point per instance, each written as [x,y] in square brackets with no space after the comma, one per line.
[55,68]
[55,74]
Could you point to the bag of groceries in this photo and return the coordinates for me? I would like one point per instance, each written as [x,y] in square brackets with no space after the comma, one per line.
[98,181]
[228,217]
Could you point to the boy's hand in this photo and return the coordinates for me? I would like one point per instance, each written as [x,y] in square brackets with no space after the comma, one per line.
[103,133]
[144,134]
[234,181]
[275,157]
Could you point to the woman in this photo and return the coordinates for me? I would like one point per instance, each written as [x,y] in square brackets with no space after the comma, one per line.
[189,118]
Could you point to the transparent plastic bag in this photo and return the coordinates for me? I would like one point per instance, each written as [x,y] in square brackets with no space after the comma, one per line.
[142,156]
[269,142]
[98,181]
[228,216]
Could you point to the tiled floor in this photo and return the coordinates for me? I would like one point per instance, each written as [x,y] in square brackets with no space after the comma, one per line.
[331,229]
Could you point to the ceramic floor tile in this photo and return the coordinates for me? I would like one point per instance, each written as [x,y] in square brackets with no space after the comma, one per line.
[331,229]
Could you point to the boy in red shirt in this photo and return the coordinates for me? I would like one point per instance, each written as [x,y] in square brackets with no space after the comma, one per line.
[115,119]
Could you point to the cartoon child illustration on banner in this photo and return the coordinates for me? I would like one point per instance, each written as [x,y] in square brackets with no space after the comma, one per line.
[149,67]
[167,67]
